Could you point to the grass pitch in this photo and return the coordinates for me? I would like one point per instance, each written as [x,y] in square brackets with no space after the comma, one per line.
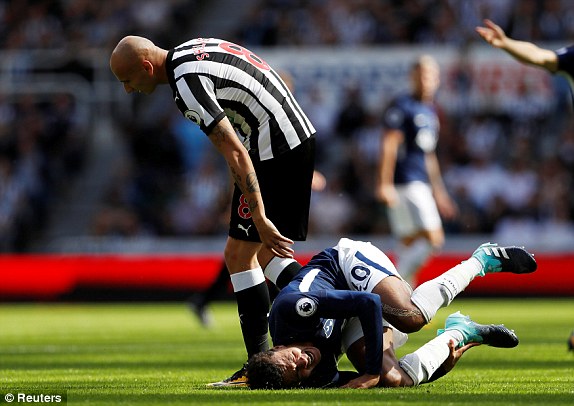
[158,354]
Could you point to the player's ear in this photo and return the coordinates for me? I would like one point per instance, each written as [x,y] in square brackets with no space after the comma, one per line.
[148,67]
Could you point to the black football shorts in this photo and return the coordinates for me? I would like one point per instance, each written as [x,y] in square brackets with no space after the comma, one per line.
[285,184]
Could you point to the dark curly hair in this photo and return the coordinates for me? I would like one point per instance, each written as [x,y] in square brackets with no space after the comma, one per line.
[263,373]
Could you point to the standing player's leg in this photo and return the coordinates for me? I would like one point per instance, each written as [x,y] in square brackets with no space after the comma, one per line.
[285,184]
[248,281]
[251,293]
[416,222]
[252,298]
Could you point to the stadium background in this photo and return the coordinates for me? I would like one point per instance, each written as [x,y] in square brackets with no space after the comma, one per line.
[110,196]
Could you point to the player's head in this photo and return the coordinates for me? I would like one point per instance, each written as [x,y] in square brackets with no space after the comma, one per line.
[282,367]
[425,77]
[134,61]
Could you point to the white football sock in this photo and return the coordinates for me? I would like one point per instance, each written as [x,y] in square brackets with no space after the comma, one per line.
[275,267]
[246,279]
[422,364]
[440,291]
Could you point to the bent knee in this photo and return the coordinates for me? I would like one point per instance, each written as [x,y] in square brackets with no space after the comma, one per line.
[409,320]
[391,379]
[411,325]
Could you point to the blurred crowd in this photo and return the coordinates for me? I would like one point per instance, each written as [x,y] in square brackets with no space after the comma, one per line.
[509,171]
[41,151]
[81,24]
[380,22]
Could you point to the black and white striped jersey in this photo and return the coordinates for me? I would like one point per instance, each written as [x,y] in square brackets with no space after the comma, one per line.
[212,78]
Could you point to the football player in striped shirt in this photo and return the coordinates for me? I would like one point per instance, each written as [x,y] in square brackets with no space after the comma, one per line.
[354,279]
[253,120]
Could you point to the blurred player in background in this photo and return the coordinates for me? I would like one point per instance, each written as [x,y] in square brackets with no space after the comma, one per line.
[409,181]
[354,279]
[253,120]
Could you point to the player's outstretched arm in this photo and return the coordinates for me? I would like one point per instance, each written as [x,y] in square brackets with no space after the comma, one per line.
[523,51]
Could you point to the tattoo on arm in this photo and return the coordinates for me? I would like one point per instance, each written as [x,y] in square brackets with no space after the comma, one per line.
[217,135]
[251,186]
[252,183]
[400,312]
[236,177]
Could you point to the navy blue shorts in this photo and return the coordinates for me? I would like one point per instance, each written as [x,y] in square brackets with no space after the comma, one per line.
[285,184]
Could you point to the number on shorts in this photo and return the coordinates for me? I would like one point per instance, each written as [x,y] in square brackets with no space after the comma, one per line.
[243,209]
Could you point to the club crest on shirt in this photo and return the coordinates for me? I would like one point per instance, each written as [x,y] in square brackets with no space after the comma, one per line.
[305,307]
[328,327]
[192,116]
[426,139]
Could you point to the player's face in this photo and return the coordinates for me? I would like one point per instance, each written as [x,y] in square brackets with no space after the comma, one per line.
[426,79]
[297,362]
[136,79]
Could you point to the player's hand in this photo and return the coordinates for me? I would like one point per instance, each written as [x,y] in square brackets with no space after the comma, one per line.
[272,239]
[447,208]
[319,182]
[363,382]
[492,34]
[456,354]
[387,194]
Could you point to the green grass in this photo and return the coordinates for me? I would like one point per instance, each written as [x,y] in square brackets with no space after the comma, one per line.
[158,354]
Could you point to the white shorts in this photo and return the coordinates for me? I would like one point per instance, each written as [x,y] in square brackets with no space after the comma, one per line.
[364,266]
[353,331]
[415,211]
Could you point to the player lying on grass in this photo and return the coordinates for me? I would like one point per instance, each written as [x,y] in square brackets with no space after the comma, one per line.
[289,366]
[356,279]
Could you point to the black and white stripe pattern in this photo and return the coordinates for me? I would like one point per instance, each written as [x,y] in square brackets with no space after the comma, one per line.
[212,77]
[496,251]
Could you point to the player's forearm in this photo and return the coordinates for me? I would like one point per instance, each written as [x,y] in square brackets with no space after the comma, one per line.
[389,154]
[435,177]
[246,179]
[343,304]
[386,175]
[531,54]
[225,140]
[371,318]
